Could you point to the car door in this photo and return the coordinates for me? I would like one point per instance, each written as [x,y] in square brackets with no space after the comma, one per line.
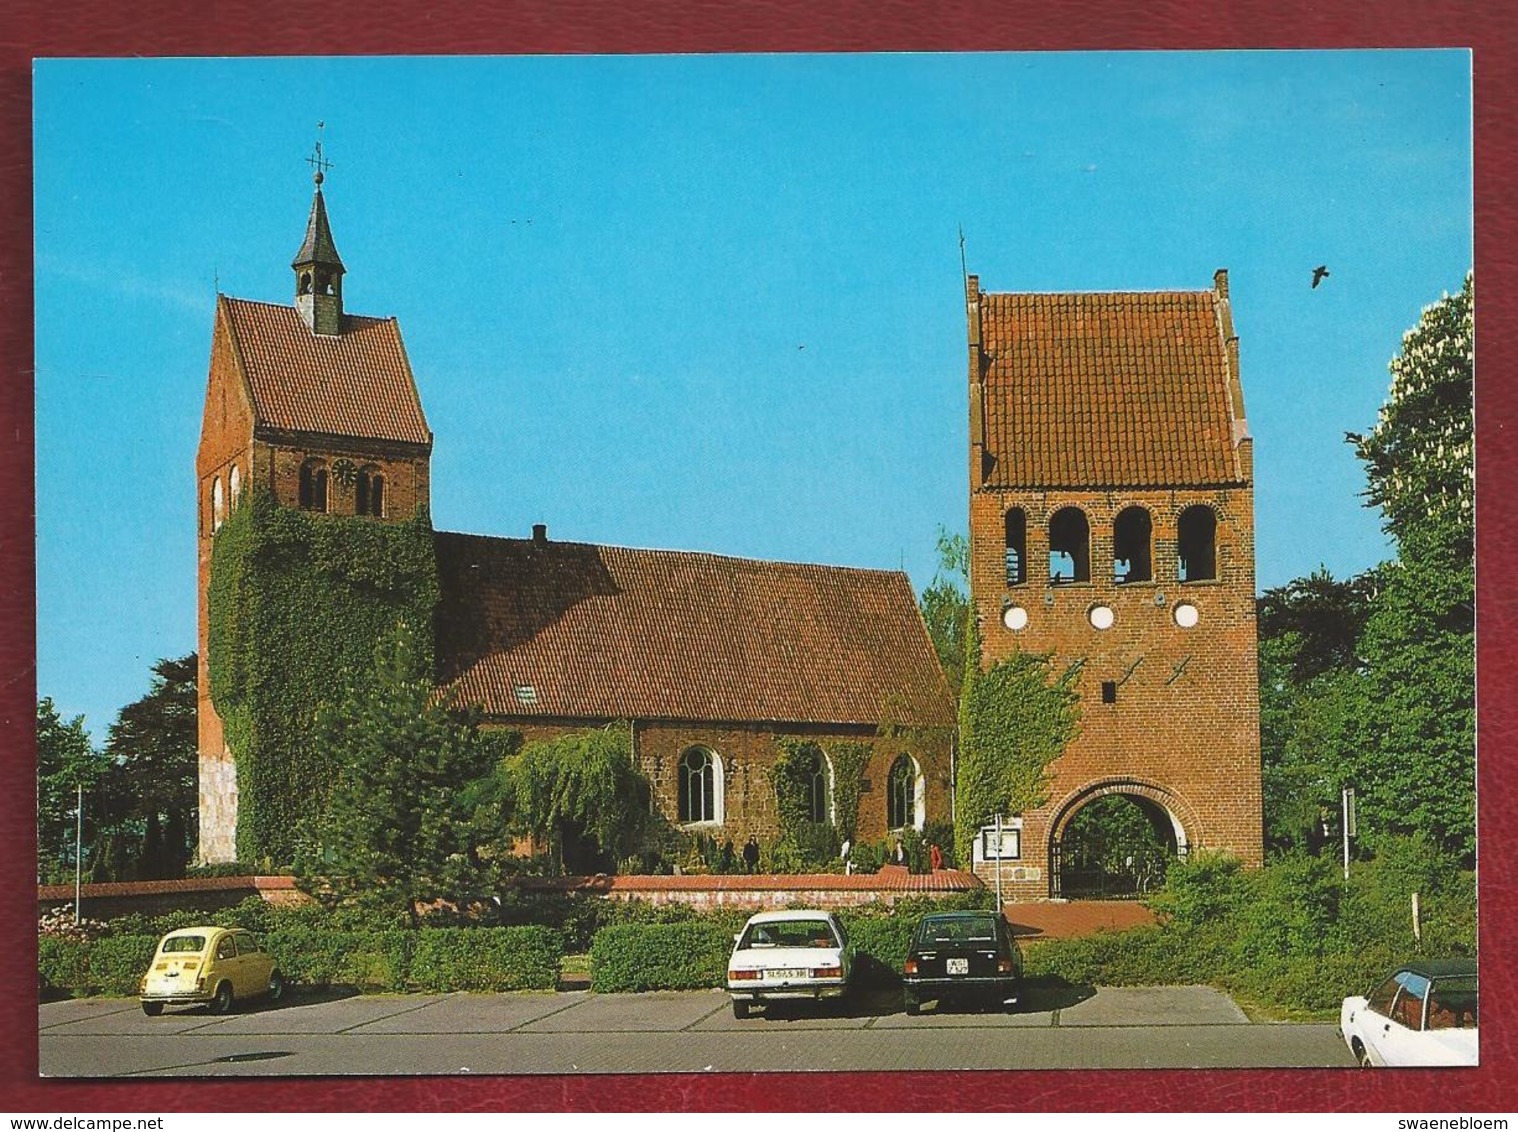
[255,965]
[224,966]
[1394,1019]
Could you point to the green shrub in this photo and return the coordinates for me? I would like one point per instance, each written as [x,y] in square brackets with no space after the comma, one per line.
[680,956]
[486,959]
[64,965]
[880,944]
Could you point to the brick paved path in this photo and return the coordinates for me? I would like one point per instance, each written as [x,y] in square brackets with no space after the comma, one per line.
[1034,921]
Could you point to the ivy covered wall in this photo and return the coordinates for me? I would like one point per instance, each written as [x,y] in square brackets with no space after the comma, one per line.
[295,599]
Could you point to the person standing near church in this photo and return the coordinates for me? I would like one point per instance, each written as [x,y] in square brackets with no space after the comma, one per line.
[751,854]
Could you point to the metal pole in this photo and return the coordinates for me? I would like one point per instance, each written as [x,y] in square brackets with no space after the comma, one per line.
[998,864]
[1417,921]
[78,845]
[1346,833]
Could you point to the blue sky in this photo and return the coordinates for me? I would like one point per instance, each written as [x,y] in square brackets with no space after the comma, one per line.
[708,302]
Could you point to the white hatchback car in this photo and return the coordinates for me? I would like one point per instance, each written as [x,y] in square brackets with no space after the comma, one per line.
[788,955]
[1424,1013]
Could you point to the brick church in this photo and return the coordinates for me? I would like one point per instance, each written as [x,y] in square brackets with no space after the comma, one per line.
[708,659]
[1112,525]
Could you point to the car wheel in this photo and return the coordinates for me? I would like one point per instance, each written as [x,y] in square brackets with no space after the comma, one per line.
[222,1003]
[913,1006]
[152,1009]
[1362,1055]
[276,987]
[741,1009]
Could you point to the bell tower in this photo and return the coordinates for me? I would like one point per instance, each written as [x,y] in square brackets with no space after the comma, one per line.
[318,267]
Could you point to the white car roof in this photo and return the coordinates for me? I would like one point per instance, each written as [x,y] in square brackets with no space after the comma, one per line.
[797,914]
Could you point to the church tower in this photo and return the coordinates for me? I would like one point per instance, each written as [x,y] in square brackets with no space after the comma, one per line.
[314,409]
[1112,525]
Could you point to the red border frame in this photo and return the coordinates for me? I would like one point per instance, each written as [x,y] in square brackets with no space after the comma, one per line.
[350,27]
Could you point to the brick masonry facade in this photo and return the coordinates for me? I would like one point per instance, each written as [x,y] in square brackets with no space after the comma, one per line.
[1182,728]
[745,752]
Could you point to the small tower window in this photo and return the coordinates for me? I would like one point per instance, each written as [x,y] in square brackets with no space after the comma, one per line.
[218,508]
[1131,541]
[313,486]
[1069,547]
[369,493]
[235,482]
[1017,547]
[305,283]
[1196,544]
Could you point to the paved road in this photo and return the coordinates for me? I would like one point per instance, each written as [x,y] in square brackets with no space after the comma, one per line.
[580,1032]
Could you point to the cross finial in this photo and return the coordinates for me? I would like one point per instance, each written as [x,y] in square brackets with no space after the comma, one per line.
[316,160]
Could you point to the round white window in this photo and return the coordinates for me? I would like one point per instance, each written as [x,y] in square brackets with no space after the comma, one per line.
[1186,615]
[1101,616]
[1015,617]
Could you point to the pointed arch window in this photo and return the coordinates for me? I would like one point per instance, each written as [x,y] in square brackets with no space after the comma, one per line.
[904,800]
[814,776]
[1069,547]
[700,787]
[218,506]
[1017,546]
[1196,537]
[313,486]
[235,484]
[369,493]
[1132,538]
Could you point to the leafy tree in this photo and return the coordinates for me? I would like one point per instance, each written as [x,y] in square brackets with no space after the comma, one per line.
[945,605]
[1014,720]
[150,788]
[416,812]
[65,760]
[582,795]
[1418,458]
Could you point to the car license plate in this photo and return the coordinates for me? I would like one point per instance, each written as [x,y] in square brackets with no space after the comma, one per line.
[786,973]
[957,966]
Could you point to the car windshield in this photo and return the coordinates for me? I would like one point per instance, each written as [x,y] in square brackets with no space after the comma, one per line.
[184,944]
[937,932]
[789,933]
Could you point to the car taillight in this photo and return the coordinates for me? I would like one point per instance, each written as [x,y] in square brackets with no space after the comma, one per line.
[1004,965]
[911,967]
[827,972]
[738,975]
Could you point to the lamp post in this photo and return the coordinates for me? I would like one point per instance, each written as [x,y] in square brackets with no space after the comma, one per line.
[78,845]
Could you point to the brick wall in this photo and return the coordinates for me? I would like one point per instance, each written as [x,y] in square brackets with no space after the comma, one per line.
[747,751]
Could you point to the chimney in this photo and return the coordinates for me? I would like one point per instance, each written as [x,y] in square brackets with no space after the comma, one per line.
[540,533]
[1220,282]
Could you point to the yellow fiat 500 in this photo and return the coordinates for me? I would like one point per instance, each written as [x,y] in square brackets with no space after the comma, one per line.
[210,966]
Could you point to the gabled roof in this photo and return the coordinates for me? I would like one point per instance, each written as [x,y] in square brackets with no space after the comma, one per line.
[552,629]
[356,384]
[1110,389]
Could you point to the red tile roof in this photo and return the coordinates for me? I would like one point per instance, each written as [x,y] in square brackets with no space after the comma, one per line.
[1117,389]
[600,632]
[354,384]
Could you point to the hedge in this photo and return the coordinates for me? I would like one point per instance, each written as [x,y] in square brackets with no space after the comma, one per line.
[641,957]
[432,959]
[113,965]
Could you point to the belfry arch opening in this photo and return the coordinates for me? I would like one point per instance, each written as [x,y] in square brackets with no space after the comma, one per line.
[1114,844]
[1196,535]
[1069,547]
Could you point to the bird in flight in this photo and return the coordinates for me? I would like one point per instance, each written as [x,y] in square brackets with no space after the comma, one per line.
[1319,274]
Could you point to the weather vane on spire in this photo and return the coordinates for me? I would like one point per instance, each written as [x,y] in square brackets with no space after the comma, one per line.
[316,160]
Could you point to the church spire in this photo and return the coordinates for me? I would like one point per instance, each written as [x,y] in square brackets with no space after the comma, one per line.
[318,268]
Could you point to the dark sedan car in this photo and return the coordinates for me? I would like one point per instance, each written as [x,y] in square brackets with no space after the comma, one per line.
[965,956]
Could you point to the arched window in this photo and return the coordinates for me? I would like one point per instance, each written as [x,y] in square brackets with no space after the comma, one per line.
[1196,536]
[313,486]
[1132,533]
[369,493]
[235,481]
[904,802]
[1069,547]
[815,781]
[218,508]
[700,786]
[1017,546]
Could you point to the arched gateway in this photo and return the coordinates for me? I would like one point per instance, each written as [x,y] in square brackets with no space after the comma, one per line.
[1117,858]
[1112,527]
